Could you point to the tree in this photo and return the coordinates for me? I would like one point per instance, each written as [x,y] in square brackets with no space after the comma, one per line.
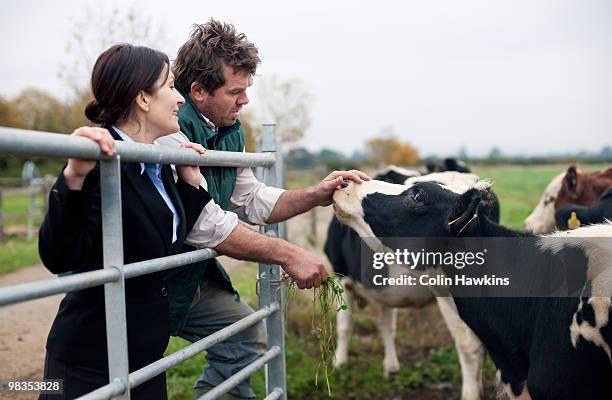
[75,113]
[606,153]
[404,154]
[299,158]
[91,35]
[387,149]
[41,111]
[251,132]
[495,153]
[286,103]
[9,116]
[96,31]
[36,110]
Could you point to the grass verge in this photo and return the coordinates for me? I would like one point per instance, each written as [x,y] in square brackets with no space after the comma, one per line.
[17,253]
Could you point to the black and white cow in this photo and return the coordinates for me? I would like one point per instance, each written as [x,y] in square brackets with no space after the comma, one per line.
[575,216]
[545,348]
[342,248]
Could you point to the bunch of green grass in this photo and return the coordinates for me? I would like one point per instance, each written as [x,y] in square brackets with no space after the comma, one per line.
[328,299]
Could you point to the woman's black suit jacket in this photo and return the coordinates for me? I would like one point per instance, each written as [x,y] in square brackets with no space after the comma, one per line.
[71,240]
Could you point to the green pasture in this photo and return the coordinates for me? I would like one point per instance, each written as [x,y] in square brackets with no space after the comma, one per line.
[19,204]
[18,252]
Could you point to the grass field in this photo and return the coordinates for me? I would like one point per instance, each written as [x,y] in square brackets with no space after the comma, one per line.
[17,253]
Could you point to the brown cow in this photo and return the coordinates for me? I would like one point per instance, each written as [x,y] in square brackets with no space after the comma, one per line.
[582,188]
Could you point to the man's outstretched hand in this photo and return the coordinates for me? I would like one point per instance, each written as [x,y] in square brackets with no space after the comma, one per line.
[325,189]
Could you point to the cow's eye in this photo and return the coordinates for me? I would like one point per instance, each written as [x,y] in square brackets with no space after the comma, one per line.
[418,196]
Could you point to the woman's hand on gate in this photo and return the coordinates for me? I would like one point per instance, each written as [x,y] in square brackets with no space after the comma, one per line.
[77,169]
[191,173]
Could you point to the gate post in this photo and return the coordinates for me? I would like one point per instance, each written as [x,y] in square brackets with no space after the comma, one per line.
[114,292]
[270,286]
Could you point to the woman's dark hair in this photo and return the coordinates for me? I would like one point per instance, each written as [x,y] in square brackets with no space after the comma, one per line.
[119,74]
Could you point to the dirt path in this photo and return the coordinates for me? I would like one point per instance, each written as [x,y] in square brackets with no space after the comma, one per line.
[23,330]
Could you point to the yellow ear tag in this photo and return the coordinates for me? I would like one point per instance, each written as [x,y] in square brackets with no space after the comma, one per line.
[573,222]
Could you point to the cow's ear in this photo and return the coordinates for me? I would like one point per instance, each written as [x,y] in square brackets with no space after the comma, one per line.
[571,178]
[465,210]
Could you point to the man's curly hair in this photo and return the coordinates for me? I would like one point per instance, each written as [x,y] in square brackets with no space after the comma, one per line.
[210,47]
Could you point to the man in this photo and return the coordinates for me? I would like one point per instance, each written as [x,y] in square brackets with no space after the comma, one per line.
[212,71]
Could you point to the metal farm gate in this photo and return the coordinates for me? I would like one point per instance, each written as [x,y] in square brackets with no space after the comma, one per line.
[269,162]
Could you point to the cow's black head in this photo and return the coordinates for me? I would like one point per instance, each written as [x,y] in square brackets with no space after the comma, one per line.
[574,216]
[424,209]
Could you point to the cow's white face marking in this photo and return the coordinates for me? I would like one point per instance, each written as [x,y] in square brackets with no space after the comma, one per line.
[347,201]
[542,218]
[347,206]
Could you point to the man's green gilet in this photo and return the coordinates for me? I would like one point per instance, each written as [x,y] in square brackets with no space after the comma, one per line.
[184,281]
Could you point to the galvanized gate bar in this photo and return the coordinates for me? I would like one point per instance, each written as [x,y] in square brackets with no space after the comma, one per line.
[142,375]
[159,366]
[64,284]
[84,280]
[28,143]
[114,292]
[270,285]
[162,263]
[276,394]
[241,375]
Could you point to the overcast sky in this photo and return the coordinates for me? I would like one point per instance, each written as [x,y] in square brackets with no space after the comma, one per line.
[528,76]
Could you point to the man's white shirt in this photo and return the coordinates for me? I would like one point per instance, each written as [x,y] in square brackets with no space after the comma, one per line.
[251,201]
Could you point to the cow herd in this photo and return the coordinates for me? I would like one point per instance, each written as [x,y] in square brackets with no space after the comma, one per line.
[566,190]
[543,347]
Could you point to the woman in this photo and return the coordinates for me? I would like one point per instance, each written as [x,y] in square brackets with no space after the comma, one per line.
[135,101]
